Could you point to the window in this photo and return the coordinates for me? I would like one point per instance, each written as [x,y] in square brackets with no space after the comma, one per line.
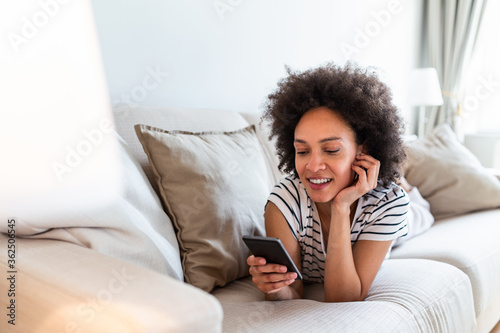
[481,100]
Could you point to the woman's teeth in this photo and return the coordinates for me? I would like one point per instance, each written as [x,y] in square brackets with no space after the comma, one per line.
[319,181]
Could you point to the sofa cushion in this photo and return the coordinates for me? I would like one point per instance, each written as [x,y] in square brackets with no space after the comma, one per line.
[469,242]
[449,176]
[63,287]
[192,120]
[134,227]
[263,130]
[406,296]
[214,187]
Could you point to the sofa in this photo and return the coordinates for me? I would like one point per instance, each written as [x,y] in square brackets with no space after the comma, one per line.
[167,256]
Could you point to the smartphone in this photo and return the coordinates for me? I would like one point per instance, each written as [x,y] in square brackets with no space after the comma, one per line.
[272,250]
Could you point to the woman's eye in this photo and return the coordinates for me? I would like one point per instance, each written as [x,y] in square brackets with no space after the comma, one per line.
[301,152]
[333,151]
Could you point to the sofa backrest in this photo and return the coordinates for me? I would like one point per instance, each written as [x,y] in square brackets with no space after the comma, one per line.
[192,120]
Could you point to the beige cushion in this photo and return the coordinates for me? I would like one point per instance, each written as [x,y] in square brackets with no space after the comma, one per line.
[263,129]
[449,176]
[214,187]
[186,119]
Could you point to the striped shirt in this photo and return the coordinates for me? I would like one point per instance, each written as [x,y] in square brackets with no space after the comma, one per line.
[381,215]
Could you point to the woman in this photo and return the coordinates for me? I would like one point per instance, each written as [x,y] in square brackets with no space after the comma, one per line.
[340,211]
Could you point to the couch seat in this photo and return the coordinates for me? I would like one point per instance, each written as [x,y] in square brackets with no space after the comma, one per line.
[408,295]
[475,251]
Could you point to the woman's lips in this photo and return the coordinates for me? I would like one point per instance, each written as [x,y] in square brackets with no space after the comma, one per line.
[319,183]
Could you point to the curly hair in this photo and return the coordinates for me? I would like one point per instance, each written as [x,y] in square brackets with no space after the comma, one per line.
[357,95]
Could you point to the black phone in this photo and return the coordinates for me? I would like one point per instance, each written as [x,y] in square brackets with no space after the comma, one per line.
[272,250]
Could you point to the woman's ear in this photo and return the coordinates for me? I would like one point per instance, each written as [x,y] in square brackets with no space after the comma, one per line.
[360,150]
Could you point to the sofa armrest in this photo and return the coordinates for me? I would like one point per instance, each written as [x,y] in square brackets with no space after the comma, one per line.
[62,287]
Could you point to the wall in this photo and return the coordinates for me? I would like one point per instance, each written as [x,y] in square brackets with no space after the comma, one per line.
[486,147]
[229,54]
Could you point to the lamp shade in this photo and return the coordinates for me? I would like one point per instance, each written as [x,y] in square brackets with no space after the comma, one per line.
[57,142]
[424,88]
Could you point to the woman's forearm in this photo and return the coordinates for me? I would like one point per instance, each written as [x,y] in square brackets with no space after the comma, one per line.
[342,282]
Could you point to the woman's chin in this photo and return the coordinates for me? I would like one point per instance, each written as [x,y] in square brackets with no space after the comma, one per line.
[321,198]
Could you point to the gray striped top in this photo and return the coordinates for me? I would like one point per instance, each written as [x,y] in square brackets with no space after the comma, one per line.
[381,215]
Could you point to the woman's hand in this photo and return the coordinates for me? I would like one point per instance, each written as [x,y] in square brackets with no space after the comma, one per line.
[269,278]
[367,169]
[351,269]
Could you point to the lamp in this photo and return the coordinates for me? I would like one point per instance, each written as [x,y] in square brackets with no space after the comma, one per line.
[424,90]
[57,142]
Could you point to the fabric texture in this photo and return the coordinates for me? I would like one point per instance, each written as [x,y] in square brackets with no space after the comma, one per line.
[69,288]
[268,145]
[381,215]
[449,176]
[420,218]
[214,187]
[408,295]
[468,242]
[134,228]
[191,120]
[451,31]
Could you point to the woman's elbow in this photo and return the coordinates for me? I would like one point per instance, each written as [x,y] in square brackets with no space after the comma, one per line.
[344,298]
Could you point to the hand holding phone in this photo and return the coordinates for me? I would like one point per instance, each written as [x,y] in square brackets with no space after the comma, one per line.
[272,250]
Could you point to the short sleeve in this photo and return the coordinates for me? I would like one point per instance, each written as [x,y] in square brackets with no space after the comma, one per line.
[286,196]
[384,214]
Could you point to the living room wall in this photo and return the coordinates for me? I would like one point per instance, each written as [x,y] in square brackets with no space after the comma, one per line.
[229,54]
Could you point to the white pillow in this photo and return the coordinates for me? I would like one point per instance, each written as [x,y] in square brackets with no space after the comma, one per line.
[134,228]
[449,176]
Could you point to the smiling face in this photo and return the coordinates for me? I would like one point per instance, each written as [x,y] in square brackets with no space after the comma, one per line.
[325,149]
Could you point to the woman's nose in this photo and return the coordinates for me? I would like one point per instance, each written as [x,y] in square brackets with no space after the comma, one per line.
[316,163]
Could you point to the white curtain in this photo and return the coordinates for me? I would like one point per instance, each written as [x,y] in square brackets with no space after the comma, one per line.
[451,29]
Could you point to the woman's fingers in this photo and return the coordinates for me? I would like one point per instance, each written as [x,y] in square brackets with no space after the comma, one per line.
[273,282]
[270,288]
[272,272]
[255,261]
[367,168]
[363,185]
[269,278]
